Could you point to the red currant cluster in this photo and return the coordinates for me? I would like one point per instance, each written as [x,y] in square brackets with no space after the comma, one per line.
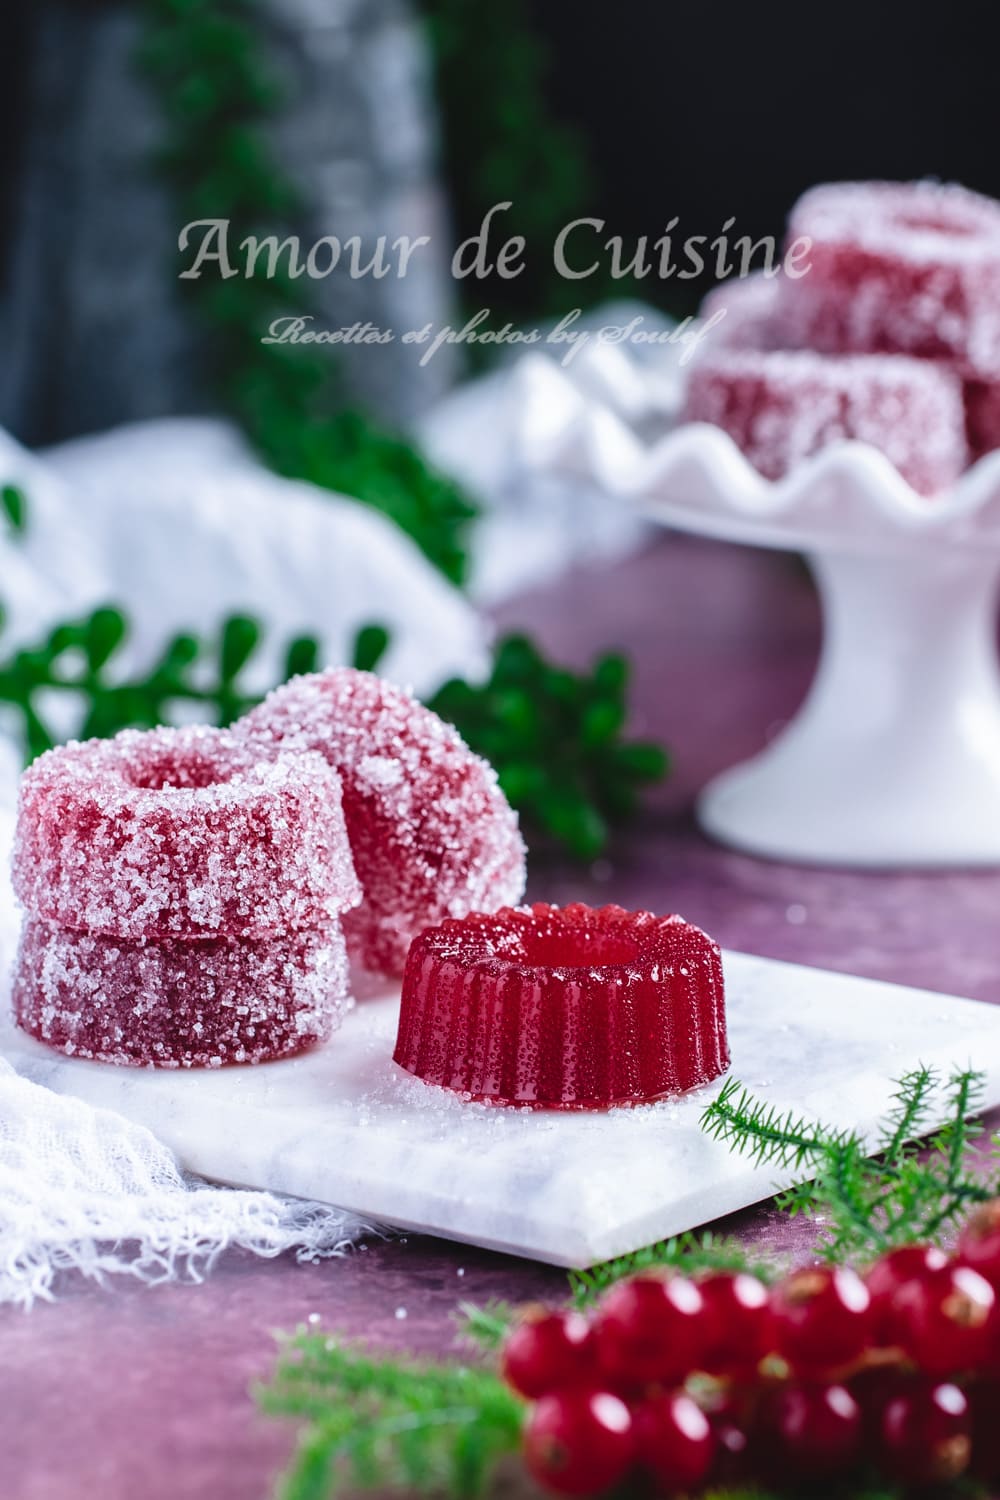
[684,1382]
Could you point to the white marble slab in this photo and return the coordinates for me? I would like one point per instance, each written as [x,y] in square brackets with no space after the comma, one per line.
[346,1126]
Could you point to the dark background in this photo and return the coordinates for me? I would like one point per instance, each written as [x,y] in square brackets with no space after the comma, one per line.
[711,111]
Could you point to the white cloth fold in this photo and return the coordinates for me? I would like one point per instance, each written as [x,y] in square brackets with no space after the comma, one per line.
[87,1190]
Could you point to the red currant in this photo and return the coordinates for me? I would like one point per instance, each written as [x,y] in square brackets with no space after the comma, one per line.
[821,1318]
[890,1273]
[737,1323]
[946,1319]
[674,1441]
[979,1243]
[925,1434]
[579,1442]
[984,1400]
[733,1454]
[812,1428]
[873,1388]
[549,1351]
[651,1328]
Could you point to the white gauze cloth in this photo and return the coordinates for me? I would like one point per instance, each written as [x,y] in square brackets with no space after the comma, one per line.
[85,1189]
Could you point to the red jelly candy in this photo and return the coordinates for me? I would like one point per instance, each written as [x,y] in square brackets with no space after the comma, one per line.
[909,268]
[781,408]
[177,1003]
[181,833]
[574,1007]
[982,416]
[748,306]
[431,832]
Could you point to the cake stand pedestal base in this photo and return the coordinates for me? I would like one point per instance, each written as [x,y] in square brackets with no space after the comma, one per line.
[894,759]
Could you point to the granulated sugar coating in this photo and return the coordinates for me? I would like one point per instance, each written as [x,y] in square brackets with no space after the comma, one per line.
[176,1003]
[181,833]
[431,832]
[571,1007]
[748,305]
[912,268]
[781,408]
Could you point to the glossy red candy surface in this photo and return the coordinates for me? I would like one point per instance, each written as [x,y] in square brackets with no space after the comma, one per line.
[574,1007]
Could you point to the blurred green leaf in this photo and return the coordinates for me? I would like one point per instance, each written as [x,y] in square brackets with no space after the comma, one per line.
[370,645]
[240,636]
[15,507]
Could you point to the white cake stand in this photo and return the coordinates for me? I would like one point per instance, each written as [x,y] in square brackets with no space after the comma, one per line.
[894,758]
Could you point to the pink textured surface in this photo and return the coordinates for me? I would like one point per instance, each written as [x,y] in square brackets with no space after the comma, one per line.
[431,831]
[143,1395]
[910,268]
[181,833]
[575,1007]
[180,1004]
[781,408]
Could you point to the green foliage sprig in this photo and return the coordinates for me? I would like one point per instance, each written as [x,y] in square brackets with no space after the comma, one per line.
[372,1422]
[217,95]
[556,740]
[76,663]
[15,508]
[868,1203]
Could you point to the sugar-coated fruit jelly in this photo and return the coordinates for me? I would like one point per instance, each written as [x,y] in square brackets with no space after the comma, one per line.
[181,833]
[431,832]
[748,306]
[911,268]
[175,1003]
[572,1007]
[781,408]
[982,415]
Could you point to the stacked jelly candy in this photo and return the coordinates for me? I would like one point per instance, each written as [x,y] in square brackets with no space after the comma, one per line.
[566,1007]
[183,900]
[892,336]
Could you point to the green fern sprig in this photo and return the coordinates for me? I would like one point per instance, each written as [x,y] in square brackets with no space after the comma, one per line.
[869,1202]
[486,1327]
[759,1130]
[380,1422]
[684,1252]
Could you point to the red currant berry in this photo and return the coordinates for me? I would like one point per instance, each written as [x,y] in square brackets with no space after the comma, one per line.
[674,1441]
[579,1442]
[890,1273]
[650,1328]
[946,1319]
[984,1401]
[925,1436]
[733,1452]
[821,1318]
[979,1243]
[737,1323]
[548,1351]
[873,1388]
[812,1428]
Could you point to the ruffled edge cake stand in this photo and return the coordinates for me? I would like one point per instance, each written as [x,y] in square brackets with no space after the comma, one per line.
[894,758]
